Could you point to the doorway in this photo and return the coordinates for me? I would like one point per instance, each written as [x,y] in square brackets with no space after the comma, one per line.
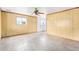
[41,24]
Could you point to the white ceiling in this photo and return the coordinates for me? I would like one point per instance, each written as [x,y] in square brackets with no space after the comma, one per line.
[29,10]
[56,9]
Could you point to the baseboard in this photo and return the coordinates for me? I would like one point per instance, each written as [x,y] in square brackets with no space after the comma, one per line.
[18,34]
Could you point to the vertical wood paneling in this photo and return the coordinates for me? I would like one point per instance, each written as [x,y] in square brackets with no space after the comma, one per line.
[64,24]
[67,24]
[0,25]
[51,24]
[10,27]
[3,24]
[76,24]
[60,24]
[32,24]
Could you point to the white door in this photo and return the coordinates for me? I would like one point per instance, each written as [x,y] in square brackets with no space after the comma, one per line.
[41,24]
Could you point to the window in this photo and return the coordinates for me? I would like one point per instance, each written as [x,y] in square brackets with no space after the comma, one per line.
[21,20]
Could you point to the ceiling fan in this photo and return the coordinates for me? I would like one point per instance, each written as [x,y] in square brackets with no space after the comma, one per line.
[36,12]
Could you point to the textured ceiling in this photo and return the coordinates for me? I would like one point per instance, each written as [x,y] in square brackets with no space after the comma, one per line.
[29,10]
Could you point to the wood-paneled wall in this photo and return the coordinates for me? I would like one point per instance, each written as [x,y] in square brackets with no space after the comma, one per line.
[3,24]
[75,24]
[0,25]
[9,26]
[64,24]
